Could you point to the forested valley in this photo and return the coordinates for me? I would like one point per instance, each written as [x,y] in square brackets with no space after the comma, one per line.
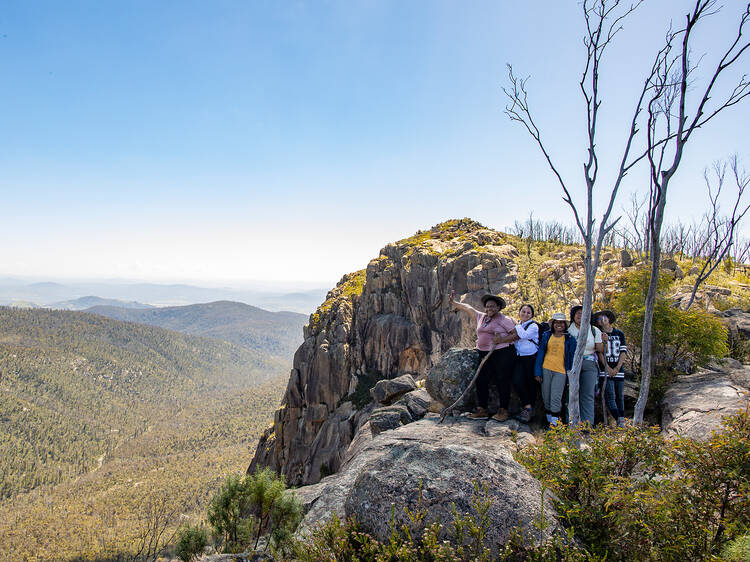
[107,425]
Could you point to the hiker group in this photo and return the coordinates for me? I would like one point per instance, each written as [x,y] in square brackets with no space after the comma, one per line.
[528,355]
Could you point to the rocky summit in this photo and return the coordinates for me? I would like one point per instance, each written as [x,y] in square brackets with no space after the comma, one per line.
[358,432]
[392,322]
[389,319]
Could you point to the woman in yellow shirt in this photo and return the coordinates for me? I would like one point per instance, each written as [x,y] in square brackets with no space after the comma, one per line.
[553,361]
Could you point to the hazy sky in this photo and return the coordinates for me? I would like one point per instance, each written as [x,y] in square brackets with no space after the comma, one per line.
[236,140]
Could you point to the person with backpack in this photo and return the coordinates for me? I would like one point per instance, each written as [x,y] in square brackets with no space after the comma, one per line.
[526,342]
[493,329]
[590,366]
[553,361]
[613,374]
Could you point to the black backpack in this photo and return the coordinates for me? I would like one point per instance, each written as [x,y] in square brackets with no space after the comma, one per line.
[543,327]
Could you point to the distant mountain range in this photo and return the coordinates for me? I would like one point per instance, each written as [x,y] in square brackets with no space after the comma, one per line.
[274,333]
[48,294]
[87,302]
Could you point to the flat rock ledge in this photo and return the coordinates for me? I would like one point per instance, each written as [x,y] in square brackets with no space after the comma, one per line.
[445,460]
[694,405]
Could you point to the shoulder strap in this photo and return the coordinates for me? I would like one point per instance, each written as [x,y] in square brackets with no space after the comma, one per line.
[526,327]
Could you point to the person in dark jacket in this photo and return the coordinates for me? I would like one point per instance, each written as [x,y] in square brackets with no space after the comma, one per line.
[553,361]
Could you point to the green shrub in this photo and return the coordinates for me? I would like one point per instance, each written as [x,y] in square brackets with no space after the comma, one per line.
[246,508]
[226,512]
[361,396]
[631,494]
[678,335]
[738,550]
[582,476]
[191,540]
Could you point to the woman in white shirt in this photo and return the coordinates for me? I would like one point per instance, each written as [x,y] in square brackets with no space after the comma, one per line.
[527,344]
[590,367]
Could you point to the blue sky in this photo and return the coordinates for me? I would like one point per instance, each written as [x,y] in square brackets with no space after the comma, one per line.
[235,141]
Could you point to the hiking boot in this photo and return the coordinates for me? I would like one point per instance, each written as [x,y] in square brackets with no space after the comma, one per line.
[525,415]
[620,422]
[479,414]
[501,415]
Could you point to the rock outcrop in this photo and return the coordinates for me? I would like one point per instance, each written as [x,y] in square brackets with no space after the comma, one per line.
[450,376]
[393,319]
[379,323]
[389,417]
[738,322]
[388,390]
[441,460]
[694,405]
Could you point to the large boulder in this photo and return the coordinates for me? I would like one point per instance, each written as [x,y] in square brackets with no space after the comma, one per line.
[386,391]
[411,407]
[389,417]
[443,461]
[626,260]
[694,405]
[418,402]
[450,376]
[738,322]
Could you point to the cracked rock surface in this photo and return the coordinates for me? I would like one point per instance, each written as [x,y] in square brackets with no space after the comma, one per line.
[694,405]
[444,459]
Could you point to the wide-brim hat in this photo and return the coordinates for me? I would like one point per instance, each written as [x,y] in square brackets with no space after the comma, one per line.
[497,298]
[609,314]
[558,317]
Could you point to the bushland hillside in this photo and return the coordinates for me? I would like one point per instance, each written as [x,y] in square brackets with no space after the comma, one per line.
[100,416]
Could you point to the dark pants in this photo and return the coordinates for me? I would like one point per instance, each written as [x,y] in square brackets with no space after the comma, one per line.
[498,370]
[615,395]
[523,378]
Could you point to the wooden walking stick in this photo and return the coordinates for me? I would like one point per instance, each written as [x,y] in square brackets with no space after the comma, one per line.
[471,384]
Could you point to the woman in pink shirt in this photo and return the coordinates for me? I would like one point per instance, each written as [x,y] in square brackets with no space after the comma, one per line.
[492,328]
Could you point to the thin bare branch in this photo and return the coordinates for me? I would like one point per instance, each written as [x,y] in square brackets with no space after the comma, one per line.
[519,111]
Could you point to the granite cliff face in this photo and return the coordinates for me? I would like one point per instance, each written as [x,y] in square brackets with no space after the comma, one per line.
[387,320]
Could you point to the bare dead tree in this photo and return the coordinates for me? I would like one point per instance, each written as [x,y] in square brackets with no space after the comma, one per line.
[155,515]
[669,129]
[676,238]
[720,230]
[740,252]
[603,20]
[635,234]
[537,230]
